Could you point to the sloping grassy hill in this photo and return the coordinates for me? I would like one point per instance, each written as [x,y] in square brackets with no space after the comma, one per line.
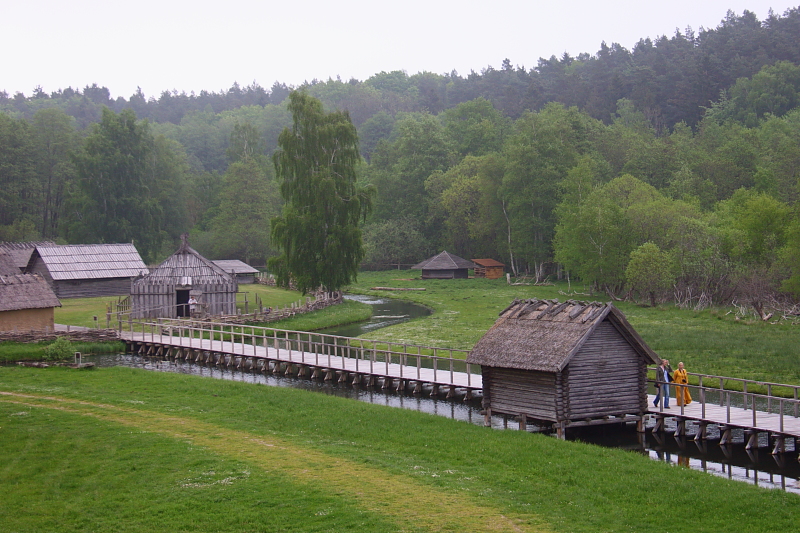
[129,450]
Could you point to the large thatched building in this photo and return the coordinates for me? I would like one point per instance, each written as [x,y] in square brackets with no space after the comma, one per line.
[26,300]
[445,266]
[87,270]
[166,290]
[569,364]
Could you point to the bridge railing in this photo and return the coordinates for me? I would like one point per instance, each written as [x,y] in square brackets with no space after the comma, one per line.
[758,397]
[319,349]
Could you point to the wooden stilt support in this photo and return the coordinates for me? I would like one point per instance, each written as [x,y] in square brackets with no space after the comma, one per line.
[356,378]
[752,441]
[372,381]
[289,369]
[417,387]
[317,373]
[435,390]
[724,435]
[468,395]
[387,383]
[276,368]
[702,431]
[523,422]
[680,427]
[451,392]
[302,371]
[780,445]
[561,430]
[487,417]
[659,426]
[330,375]
[342,377]
[640,424]
[401,385]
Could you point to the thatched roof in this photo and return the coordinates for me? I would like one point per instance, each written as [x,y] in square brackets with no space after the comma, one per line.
[20,252]
[234,266]
[91,261]
[187,267]
[488,263]
[444,261]
[23,291]
[543,335]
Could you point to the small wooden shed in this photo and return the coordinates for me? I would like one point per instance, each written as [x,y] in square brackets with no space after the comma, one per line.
[87,270]
[26,300]
[569,364]
[243,272]
[445,266]
[166,290]
[489,268]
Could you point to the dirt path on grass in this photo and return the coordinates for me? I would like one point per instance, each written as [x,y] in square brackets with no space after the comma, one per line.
[403,499]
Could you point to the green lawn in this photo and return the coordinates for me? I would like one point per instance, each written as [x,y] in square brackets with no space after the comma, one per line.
[710,341]
[122,449]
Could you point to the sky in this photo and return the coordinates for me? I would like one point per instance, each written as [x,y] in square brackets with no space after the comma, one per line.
[166,45]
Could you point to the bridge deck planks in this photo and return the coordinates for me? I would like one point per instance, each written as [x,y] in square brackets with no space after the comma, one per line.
[439,376]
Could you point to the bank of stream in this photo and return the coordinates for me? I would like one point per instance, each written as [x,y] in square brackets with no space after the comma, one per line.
[733,461]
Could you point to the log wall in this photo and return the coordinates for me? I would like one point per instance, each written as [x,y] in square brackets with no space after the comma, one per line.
[515,392]
[152,300]
[606,377]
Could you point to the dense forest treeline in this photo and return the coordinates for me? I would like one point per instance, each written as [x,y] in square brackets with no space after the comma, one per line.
[667,170]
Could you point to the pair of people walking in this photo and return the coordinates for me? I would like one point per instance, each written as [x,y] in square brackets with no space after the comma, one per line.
[664,376]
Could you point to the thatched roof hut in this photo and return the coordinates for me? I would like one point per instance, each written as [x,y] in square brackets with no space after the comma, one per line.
[243,272]
[26,300]
[445,266]
[166,290]
[570,364]
[489,268]
[20,252]
[87,270]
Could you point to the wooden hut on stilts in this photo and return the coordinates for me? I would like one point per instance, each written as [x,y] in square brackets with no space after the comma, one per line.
[567,364]
[166,290]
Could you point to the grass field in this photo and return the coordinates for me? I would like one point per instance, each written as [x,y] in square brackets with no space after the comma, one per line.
[115,450]
[710,341]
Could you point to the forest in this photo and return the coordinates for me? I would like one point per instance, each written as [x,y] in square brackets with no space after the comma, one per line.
[666,172]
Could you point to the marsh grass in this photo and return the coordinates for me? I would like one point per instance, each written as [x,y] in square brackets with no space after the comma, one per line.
[708,342]
[330,464]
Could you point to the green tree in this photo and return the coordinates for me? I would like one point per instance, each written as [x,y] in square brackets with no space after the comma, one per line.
[318,234]
[649,271]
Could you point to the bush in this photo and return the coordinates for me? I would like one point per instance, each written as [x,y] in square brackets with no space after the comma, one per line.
[60,349]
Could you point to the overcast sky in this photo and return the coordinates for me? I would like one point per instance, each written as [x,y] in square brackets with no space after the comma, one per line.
[194,45]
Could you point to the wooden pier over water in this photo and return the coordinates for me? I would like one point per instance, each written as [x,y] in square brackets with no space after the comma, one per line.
[728,403]
[330,357]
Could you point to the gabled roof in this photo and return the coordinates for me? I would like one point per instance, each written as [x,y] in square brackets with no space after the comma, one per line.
[91,261]
[488,263]
[544,335]
[234,266]
[20,252]
[444,261]
[23,291]
[186,267]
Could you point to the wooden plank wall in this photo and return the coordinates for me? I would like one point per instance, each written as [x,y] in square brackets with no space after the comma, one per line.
[159,299]
[90,288]
[516,392]
[606,377]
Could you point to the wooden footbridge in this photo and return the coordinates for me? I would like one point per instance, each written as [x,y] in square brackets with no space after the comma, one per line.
[731,403]
[330,357]
[728,403]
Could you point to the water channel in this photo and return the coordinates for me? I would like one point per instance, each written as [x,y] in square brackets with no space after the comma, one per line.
[757,467]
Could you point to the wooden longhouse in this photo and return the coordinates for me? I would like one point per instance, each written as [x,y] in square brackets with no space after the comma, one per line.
[445,266]
[489,268]
[569,364]
[26,300]
[87,270]
[243,272]
[166,290]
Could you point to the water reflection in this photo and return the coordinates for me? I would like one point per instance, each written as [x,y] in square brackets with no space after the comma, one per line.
[757,467]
